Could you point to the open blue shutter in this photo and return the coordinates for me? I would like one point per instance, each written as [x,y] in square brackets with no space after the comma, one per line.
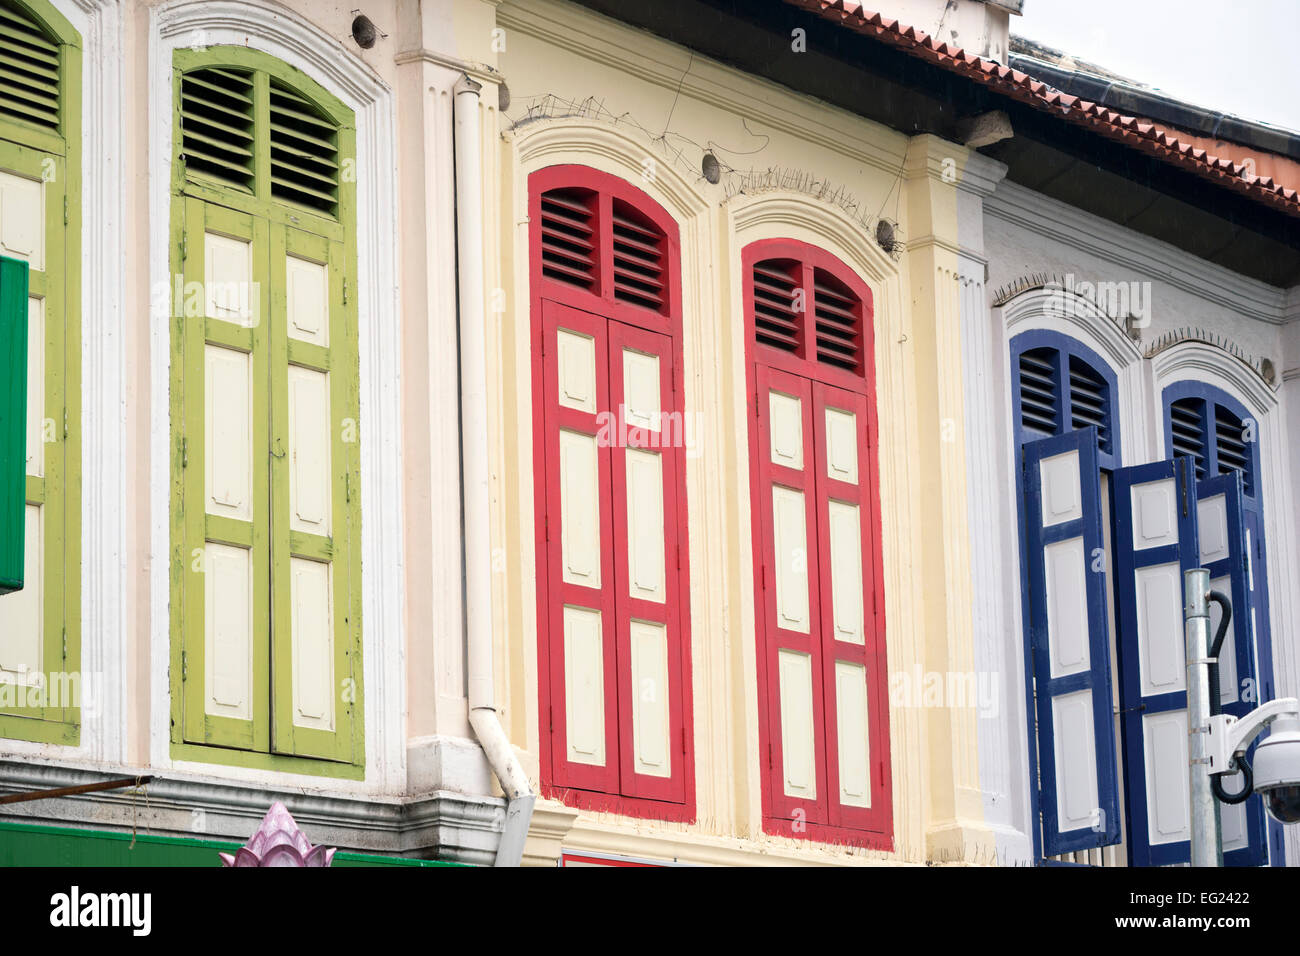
[1069,638]
[1155,542]
[1221,530]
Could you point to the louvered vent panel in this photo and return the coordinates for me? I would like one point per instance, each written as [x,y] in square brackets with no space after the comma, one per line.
[217,125]
[304,152]
[838,314]
[29,70]
[1089,401]
[1187,424]
[1040,394]
[639,274]
[569,250]
[776,323]
[1233,450]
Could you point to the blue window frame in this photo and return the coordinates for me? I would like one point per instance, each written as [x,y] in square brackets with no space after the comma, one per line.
[1059,385]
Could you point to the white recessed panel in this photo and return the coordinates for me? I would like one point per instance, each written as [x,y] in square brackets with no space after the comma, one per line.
[1065,575]
[1161,660]
[22,219]
[308,300]
[579,509]
[228,631]
[228,446]
[1062,496]
[23,612]
[785,420]
[1228,687]
[577,370]
[651,730]
[1212,528]
[798,748]
[846,571]
[584,686]
[1075,756]
[36,387]
[313,644]
[851,725]
[1232,818]
[1168,804]
[1155,514]
[641,390]
[645,524]
[228,279]
[790,540]
[310,474]
[841,445]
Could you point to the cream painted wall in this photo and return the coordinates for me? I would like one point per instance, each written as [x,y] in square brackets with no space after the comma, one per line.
[643,86]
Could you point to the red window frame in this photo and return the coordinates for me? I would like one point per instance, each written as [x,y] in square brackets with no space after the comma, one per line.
[818,385]
[612,323]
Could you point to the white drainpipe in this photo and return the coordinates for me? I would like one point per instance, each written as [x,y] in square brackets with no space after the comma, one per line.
[475,478]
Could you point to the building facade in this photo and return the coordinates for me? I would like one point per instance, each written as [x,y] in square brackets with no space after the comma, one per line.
[569,434]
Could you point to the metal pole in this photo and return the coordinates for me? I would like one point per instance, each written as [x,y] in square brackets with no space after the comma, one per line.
[1207,850]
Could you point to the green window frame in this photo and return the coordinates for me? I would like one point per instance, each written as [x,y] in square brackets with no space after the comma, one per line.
[262,165]
[40,141]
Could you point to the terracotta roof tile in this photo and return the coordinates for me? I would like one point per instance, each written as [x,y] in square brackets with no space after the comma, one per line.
[1144,137]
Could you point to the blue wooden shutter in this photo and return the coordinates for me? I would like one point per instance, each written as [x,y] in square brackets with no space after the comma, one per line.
[1221,530]
[1155,543]
[1069,638]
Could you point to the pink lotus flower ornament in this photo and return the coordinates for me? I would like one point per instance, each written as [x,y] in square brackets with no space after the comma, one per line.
[279,842]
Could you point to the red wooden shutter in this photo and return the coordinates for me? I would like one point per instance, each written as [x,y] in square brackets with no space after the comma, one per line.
[824,721]
[613,624]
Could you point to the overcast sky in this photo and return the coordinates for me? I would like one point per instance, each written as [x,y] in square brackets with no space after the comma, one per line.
[1240,56]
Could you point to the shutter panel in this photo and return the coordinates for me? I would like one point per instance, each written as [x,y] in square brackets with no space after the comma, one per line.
[792,653]
[314,499]
[1079,794]
[1155,543]
[579,522]
[852,633]
[219,383]
[644,465]
[1221,533]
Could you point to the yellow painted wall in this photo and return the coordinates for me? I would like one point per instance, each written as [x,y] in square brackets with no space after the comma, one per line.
[588,90]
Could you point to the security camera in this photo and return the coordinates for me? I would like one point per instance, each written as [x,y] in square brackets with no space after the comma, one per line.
[1277,771]
[1276,768]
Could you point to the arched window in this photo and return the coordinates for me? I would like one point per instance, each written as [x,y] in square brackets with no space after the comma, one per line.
[40,224]
[823,688]
[266,589]
[1222,438]
[1066,434]
[609,450]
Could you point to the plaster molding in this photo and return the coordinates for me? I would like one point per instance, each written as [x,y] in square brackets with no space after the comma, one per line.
[287,35]
[564,26]
[1201,361]
[1073,227]
[443,824]
[481,72]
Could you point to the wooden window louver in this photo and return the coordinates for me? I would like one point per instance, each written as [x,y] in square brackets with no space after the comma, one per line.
[30,72]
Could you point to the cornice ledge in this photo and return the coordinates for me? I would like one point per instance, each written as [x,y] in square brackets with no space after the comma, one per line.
[1111,242]
[601,39]
[464,827]
[480,71]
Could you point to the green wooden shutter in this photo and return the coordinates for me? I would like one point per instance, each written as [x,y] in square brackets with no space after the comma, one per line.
[40,142]
[265,405]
